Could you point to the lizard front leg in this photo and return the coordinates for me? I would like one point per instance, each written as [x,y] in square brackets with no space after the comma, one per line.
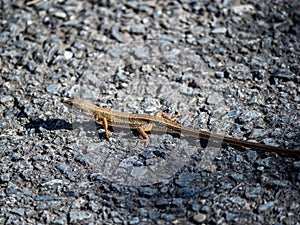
[104,123]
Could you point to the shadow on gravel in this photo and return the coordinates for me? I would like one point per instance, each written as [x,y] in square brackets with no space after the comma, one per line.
[51,124]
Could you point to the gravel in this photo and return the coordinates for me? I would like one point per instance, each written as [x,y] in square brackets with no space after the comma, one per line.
[225,66]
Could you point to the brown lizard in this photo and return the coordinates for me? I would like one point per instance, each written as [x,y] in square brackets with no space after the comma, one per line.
[160,122]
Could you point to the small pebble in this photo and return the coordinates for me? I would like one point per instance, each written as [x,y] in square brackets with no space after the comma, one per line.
[199,218]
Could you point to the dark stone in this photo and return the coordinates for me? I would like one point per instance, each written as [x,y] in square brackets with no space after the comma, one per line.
[271,118]
[30,66]
[115,33]
[205,209]
[251,155]
[264,207]
[134,220]
[184,179]
[5,177]
[146,154]
[142,211]
[147,191]
[284,75]
[77,217]
[161,202]
[219,74]
[234,128]
[168,217]
[185,192]
[237,200]
[48,198]
[195,206]
[248,116]
[229,216]
[137,29]
[264,162]
[252,192]
[52,88]
[138,163]
[143,201]
[234,112]
[160,153]
[237,176]
[154,214]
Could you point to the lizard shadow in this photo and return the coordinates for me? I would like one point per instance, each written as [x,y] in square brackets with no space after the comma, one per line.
[61,124]
[50,124]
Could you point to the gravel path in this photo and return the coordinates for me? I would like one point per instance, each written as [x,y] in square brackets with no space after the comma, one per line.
[230,67]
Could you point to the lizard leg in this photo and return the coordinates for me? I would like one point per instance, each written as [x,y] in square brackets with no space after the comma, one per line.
[104,123]
[165,116]
[142,131]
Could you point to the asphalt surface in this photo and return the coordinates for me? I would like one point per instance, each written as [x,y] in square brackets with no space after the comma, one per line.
[230,67]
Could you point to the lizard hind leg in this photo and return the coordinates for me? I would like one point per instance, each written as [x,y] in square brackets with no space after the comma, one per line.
[142,131]
[165,116]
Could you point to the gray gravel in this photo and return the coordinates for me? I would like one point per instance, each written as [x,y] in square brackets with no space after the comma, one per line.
[230,67]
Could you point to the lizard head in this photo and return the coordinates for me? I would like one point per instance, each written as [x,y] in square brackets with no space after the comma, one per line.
[82,104]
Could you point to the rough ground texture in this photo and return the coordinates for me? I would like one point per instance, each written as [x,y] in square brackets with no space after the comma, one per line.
[230,67]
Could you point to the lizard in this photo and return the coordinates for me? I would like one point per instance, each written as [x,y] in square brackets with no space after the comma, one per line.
[107,117]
